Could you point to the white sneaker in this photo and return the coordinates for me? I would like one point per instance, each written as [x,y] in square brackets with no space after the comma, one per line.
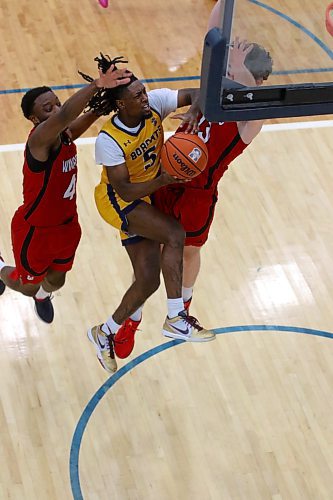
[186,328]
[104,348]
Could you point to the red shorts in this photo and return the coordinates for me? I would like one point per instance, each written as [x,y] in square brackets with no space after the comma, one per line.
[193,208]
[40,249]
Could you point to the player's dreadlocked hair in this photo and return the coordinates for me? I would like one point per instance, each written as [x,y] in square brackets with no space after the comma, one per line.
[28,100]
[104,101]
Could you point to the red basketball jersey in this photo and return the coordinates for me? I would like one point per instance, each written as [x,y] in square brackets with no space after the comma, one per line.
[49,187]
[224,144]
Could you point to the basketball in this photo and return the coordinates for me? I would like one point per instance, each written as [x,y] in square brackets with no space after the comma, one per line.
[329,19]
[184,155]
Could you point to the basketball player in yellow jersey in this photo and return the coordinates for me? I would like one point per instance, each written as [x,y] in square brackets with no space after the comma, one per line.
[128,148]
[140,148]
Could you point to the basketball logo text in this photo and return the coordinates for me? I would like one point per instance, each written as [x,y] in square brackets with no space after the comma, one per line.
[183,167]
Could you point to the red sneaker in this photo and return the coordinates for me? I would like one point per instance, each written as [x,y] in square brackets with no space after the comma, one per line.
[187,304]
[124,338]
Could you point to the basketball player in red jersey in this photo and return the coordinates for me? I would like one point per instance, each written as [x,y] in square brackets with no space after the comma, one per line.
[193,203]
[45,228]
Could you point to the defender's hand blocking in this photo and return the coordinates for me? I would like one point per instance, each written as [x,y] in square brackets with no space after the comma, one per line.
[236,68]
[190,119]
[113,77]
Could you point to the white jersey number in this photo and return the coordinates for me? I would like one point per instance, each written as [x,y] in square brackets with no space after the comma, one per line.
[70,191]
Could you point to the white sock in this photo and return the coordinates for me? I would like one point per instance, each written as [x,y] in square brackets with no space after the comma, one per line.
[42,294]
[187,293]
[110,326]
[175,306]
[136,316]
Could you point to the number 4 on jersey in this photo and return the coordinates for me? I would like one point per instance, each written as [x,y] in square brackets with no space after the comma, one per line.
[70,191]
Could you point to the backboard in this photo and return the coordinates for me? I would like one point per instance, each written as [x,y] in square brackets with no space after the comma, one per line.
[294,34]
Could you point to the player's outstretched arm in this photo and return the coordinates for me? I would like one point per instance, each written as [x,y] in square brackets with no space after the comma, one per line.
[81,124]
[215,15]
[47,132]
[189,117]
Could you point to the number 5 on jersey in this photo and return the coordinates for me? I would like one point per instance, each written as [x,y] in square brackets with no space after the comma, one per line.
[70,191]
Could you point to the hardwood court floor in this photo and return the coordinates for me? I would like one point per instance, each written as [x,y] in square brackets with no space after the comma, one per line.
[245,417]
[45,43]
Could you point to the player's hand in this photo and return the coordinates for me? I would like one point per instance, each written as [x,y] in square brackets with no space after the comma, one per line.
[238,51]
[113,77]
[166,178]
[237,55]
[189,121]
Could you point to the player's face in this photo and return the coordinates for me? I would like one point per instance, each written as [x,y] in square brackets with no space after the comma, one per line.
[45,106]
[135,101]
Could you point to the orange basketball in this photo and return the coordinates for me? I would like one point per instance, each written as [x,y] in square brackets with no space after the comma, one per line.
[184,155]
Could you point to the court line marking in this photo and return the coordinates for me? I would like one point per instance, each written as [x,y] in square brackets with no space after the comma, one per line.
[298,25]
[171,79]
[287,18]
[278,127]
[100,393]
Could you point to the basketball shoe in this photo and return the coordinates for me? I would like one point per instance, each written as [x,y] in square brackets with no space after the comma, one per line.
[186,328]
[104,345]
[124,338]
[44,309]
[2,285]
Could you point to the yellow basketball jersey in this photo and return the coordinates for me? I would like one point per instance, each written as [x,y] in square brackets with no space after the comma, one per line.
[142,150]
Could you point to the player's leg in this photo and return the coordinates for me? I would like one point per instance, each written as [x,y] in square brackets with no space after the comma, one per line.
[145,258]
[194,209]
[191,262]
[63,242]
[13,279]
[10,278]
[54,280]
[166,230]
[138,221]
[215,15]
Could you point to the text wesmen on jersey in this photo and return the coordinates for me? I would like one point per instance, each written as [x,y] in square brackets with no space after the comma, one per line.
[70,164]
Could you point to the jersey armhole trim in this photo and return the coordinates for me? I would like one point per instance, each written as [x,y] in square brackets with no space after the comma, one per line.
[37,165]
